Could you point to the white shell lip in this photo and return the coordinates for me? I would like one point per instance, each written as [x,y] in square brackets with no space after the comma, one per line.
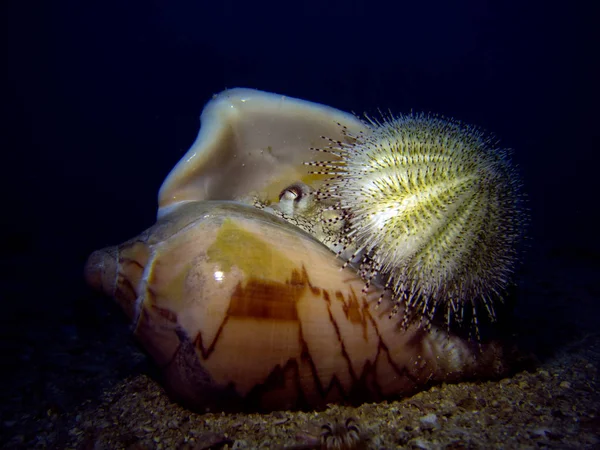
[251,141]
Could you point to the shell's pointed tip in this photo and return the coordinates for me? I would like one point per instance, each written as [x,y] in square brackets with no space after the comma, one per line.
[100,270]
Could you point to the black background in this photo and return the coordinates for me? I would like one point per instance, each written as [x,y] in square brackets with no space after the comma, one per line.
[101,99]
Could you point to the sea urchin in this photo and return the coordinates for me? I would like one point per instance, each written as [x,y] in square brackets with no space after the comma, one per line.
[431,208]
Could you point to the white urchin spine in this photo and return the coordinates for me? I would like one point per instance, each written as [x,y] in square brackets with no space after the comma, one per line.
[433,207]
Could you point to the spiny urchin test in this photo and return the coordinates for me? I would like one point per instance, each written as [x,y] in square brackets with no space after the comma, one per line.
[430,208]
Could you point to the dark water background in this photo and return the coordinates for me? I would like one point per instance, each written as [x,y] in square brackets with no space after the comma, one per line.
[101,99]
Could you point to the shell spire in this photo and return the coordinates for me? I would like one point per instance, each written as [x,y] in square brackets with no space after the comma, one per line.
[433,210]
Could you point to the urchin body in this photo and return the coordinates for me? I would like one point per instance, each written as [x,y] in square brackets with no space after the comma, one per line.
[432,208]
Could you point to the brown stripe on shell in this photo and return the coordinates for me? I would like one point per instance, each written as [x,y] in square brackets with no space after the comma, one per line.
[205,352]
[370,391]
[262,299]
[352,310]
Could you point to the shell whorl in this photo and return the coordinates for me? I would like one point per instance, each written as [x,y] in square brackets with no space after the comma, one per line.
[430,207]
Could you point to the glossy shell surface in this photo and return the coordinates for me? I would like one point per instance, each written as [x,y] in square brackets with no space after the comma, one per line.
[239,309]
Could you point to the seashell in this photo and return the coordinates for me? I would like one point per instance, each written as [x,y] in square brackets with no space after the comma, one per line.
[242,309]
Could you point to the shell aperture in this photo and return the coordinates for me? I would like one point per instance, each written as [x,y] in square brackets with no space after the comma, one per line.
[252,142]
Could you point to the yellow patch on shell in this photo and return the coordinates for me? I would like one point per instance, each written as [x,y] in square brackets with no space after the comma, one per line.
[257,258]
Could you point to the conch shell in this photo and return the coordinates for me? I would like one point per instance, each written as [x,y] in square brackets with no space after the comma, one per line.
[242,310]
